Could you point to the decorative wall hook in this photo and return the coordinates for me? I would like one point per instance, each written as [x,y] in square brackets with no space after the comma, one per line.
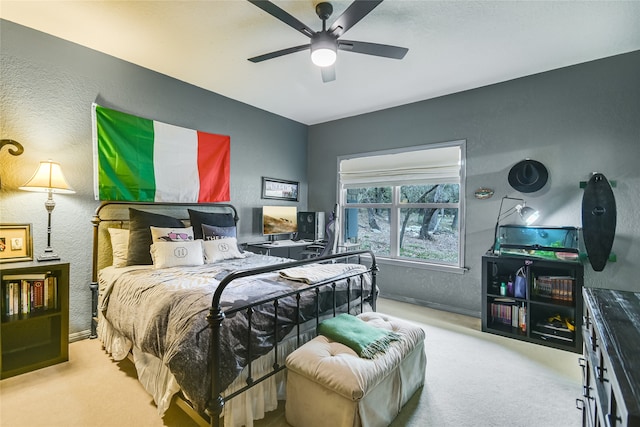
[13,151]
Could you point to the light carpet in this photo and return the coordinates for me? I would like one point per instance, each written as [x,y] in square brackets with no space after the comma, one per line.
[473,379]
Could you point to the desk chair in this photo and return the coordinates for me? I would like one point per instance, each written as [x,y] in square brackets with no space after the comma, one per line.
[326,247]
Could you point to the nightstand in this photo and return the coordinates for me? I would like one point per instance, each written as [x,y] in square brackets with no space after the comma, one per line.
[34,328]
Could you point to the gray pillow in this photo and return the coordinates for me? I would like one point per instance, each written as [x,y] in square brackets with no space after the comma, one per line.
[198,218]
[212,232]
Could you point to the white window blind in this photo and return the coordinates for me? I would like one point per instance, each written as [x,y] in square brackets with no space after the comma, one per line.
[427,165]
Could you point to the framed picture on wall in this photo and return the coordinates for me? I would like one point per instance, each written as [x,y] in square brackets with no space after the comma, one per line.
[15,243]
[279,189]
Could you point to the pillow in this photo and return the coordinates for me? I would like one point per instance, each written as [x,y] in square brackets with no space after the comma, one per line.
[161,234]
[221,249]
[140,234]
[177,254]
[119,246]
[198,218]
[212,232]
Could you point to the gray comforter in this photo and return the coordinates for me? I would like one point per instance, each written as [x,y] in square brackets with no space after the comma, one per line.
[163,312]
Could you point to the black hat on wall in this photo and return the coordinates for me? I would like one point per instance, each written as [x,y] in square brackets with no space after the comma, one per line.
[528,176]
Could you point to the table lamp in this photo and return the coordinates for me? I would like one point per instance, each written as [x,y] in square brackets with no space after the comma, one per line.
[48,178]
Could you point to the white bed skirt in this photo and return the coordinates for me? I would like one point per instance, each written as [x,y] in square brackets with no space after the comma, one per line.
[160,383]
[240,411]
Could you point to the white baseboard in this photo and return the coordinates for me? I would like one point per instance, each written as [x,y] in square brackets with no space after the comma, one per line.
[77,336]
[436,306]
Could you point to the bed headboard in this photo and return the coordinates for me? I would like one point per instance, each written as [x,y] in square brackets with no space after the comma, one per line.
[116,215]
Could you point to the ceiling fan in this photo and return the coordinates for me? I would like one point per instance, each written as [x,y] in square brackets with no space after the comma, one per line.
[325,43]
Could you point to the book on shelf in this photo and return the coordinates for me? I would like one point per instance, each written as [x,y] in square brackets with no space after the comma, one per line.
[11,298]
[509,311]
[555,287]
[51,293]
[29,293]
[502,310]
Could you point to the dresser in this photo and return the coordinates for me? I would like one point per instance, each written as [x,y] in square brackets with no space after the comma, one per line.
[611,359]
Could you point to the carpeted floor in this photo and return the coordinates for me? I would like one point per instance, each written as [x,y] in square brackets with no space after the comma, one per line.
[473,379]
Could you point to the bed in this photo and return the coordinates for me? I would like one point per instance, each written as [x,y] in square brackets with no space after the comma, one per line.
[210,333]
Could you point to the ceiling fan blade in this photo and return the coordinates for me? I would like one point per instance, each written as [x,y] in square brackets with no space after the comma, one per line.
[350,17]
[280,14]
[384,50]
[328,73]
[278,53]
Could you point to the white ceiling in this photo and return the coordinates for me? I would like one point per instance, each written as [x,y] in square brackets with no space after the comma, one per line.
[453,46]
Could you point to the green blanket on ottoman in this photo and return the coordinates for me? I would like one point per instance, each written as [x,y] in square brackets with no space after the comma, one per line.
[356,334]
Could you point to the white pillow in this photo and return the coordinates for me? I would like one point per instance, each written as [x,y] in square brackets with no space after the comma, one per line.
[221,249]
[161,234]
[177,254]
[119,246]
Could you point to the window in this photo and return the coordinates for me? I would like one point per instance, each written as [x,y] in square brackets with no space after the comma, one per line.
[405,205]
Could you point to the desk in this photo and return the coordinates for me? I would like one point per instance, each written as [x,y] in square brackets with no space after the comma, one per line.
[348,247]
[282,248]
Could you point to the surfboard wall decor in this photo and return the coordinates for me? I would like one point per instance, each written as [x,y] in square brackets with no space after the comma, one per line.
[598,220]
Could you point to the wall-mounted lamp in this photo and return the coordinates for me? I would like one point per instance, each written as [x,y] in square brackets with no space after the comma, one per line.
[49,179]
[528,215]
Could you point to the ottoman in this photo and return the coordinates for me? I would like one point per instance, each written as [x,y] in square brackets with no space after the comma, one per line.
[328,384]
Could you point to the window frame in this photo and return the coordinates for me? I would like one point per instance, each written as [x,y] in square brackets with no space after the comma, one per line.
[395,207]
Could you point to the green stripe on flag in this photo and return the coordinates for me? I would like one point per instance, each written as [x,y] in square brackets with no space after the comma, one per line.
[125,156]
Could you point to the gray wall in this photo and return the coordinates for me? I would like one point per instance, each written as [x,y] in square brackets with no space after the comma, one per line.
[47,86]
[574,120]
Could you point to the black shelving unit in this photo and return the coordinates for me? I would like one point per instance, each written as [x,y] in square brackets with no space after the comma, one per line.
[552,303]
[34,339]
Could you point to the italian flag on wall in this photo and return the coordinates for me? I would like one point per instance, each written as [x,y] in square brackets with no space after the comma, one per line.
[137,159]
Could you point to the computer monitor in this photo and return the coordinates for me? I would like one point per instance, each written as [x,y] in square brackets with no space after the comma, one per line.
[279,220]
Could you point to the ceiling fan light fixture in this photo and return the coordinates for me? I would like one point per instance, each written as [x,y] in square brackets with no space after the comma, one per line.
[323,49]
[324,44]
[323,57]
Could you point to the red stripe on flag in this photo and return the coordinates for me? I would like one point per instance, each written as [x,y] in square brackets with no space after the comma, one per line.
[214,152]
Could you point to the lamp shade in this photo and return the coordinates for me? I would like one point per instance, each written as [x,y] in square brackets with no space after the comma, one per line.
[48,177]
[528,215]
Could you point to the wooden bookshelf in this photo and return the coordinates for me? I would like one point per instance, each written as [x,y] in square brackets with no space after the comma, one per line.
[34,328]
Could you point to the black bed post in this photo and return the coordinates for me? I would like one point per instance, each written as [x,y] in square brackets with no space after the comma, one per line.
[374,288]
[93,285]
[216,403]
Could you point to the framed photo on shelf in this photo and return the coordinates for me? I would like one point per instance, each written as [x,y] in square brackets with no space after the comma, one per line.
[16,243]
[279,189]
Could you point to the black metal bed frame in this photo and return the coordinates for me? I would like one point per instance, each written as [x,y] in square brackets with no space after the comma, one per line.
[217,315]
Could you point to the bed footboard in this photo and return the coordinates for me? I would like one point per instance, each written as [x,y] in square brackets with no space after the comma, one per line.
[217,316]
